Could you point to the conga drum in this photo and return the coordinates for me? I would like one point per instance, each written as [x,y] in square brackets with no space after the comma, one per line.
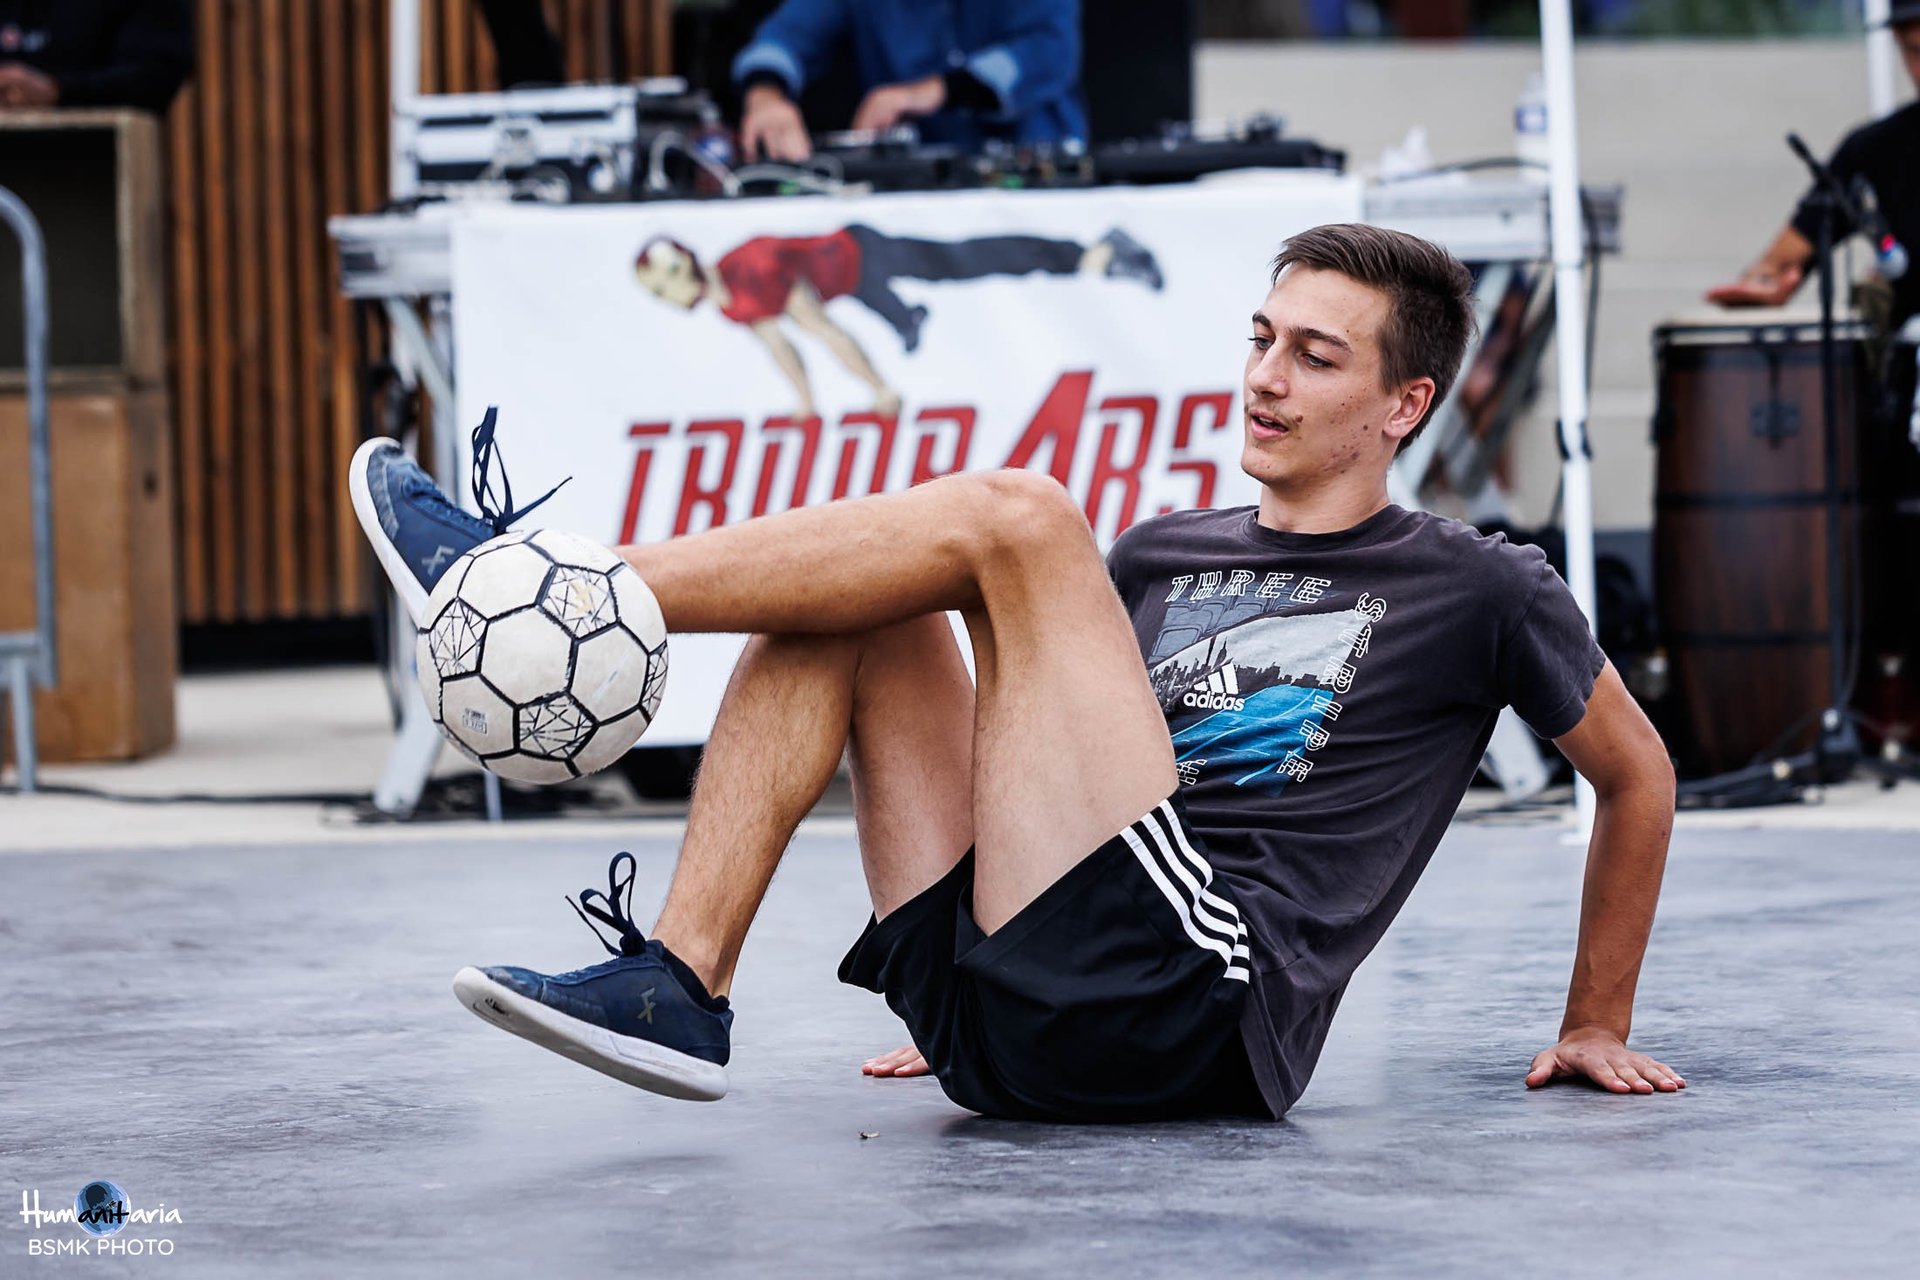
[1740,531]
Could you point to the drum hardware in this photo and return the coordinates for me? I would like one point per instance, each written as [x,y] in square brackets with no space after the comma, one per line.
[1774,419]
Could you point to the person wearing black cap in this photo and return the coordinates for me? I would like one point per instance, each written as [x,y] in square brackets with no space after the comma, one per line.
[1882,153]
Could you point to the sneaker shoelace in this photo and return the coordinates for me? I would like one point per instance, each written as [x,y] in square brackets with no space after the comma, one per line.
[486,452]
[613,908]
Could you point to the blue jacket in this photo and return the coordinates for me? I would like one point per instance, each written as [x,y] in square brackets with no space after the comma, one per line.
[1026,52]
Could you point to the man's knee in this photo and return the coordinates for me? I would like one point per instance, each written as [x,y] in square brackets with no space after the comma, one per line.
[1020,518]
[802,648]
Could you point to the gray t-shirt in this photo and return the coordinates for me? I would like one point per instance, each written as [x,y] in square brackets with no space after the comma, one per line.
[1330,697]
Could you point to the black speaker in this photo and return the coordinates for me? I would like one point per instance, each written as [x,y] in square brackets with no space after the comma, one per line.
[1136,66]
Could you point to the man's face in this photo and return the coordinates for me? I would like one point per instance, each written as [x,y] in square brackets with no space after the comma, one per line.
[671,276]
[1906,38]
[1314,408]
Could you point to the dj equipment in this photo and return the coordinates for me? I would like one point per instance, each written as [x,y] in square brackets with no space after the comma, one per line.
[657,140]
[1740,529]
[896,161]
[575,142]
[1179,156]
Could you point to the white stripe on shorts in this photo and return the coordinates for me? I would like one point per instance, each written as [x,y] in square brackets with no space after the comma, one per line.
[1193,873]
[1146,841]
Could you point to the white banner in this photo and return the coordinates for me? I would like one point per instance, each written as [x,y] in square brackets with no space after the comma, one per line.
[696,364]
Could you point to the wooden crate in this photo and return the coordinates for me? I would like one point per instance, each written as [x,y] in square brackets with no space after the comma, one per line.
[92,179]
[113,567]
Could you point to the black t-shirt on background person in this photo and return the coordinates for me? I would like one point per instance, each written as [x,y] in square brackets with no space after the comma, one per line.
[1330,697]
[103,53]
[1886,152]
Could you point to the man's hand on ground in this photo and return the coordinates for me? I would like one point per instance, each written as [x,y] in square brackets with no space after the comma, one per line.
[904,1061]
[1602,1057]
[888,105]
[771,121]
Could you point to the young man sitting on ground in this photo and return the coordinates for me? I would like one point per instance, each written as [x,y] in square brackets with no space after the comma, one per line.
[1105,889]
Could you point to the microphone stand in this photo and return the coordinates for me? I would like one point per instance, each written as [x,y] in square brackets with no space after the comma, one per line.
[1836,751]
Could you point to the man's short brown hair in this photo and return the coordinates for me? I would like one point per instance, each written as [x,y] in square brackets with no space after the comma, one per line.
[1429,292]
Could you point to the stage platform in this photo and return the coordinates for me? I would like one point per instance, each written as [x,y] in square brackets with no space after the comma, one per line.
[262,1038]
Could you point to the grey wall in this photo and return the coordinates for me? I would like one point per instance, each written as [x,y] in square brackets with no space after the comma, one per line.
[1693,129]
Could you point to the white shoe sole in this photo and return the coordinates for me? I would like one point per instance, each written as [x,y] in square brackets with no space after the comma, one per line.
[412,594]
[633,1061]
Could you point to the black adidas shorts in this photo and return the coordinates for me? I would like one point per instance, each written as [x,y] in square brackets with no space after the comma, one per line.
[1115,995]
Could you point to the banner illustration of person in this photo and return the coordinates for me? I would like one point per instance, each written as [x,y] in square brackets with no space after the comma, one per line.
[771,279]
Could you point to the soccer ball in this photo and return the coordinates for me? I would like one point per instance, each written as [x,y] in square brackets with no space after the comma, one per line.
[542,656]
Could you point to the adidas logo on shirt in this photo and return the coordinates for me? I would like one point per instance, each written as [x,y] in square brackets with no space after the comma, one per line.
[1218,692]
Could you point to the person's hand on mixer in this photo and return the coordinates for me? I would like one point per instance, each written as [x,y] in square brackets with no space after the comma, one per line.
[772,126]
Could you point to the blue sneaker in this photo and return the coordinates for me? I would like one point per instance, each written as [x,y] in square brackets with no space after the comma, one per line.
[417,531]
[642,1017]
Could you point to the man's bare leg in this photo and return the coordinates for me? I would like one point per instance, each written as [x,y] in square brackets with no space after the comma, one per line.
[1069,743]
[900,699]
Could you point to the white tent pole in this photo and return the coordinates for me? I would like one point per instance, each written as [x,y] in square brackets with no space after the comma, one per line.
[403,86]
[1570,322]
[1880,58]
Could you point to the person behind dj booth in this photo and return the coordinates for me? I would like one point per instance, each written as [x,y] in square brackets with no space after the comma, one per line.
[1885,153]
[963,71]
[94,53]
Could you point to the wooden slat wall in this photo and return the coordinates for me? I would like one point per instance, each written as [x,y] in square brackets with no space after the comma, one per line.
[284,125]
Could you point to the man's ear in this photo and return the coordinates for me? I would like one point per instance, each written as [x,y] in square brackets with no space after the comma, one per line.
[1415,398]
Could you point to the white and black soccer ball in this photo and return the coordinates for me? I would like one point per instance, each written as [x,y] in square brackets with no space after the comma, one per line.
[542,656]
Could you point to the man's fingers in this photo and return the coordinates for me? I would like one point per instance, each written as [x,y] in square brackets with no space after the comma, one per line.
[880,110]
[1635,1081]
[780,136]
[1542,1071]
[1601,1072]
[1663,1076]
[752,135]
[873,113]
[904,1061]
[790,143]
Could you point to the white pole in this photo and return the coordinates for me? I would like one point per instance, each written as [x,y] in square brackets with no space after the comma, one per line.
[1880,58]
[403,86]
[1570,322]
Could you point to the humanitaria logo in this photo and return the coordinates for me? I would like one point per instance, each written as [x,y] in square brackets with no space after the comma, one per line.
[101,1210]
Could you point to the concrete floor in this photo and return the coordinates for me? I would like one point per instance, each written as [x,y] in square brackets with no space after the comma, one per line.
[264,1040]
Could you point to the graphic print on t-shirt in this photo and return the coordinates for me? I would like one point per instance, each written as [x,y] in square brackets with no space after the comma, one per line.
[1250,688]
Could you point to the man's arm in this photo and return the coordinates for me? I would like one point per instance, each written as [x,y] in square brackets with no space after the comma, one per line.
[1772,279]
[788,358]
[1620,753]
[807,311]
[791,47]
[1036,58]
